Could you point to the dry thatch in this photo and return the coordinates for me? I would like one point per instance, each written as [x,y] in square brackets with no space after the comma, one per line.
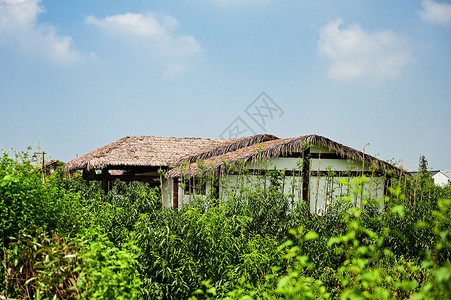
[276,148]
[140,151]
[226,147]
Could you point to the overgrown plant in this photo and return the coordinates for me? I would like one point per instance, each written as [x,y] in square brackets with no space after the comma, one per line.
[66,237]
[88,266]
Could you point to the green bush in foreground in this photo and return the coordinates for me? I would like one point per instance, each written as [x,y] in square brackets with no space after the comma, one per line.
[28,204]
[85,267]
[179,250]
[49,248]
[65,238]
[369,271]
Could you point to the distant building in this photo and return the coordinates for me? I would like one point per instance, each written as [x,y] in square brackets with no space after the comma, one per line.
[51,166]
[441,178]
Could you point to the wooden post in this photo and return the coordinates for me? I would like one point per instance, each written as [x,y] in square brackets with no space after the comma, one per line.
[283,182]
[317,184]
[161,190]
[215,187]
[175,193]
[363,162]
[89,175]
[306,177]
[386,186]
[105,174]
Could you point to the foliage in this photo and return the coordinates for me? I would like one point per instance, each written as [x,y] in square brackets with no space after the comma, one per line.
[28,204]
[85,267]
[369,270]
[50,247]
[64,237]
[118,211]
[179,250]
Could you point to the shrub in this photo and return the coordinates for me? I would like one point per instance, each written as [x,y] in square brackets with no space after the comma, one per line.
[28,204]
[181,249]
[88,266]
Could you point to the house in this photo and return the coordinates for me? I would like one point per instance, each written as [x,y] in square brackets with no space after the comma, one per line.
[143,158]
[441,178]
[51,166]
[313,169]
[139,158]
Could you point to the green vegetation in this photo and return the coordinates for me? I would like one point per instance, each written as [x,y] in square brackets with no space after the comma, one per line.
[63,238]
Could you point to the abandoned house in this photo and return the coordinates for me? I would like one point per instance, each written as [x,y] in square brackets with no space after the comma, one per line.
[312,167]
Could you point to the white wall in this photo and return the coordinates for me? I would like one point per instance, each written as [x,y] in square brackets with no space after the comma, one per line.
[440,179]
[324,190]
[167,192]
[183,198]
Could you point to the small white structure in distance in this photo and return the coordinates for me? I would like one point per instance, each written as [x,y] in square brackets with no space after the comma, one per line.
[441,178]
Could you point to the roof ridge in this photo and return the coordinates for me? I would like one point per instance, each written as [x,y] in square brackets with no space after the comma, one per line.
[281,146]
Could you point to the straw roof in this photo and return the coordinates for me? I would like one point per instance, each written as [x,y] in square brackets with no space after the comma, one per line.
[276,148]
[140,151]
[226,147]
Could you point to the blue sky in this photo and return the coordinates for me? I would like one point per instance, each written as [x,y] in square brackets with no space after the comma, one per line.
[77,75]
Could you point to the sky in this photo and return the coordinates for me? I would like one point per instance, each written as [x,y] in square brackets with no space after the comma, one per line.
[373,75]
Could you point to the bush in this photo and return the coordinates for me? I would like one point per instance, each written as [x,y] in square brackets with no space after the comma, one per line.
[28,204]
[67,238]
[180,250]
[118,211]
[88,266]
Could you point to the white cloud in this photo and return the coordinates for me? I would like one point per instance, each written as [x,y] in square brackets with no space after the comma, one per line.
[355,53]
[436,13]
[174,70]
[20,31]
[150,30]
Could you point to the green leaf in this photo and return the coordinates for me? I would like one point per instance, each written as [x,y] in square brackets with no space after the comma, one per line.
[212,291]
[311,235]
[443,274]
[399,209]
[334,240]
[283,282]
[285,245]
[421,225]
[30,280]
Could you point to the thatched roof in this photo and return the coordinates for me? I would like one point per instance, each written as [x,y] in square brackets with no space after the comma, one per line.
[140,151]
[276,148]
[226,147]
